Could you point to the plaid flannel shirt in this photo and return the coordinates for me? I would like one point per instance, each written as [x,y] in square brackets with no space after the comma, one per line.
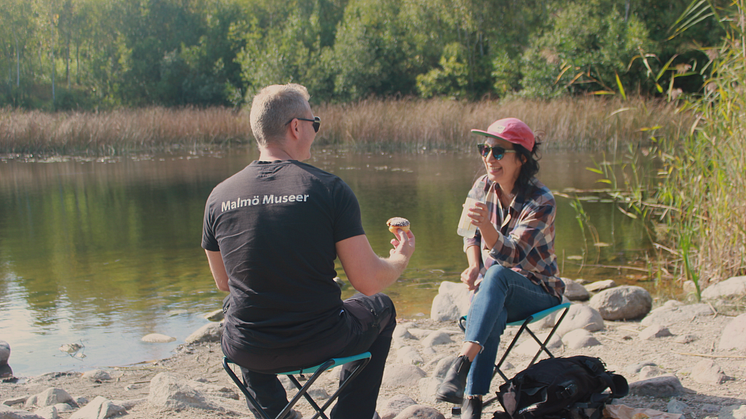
[526,240]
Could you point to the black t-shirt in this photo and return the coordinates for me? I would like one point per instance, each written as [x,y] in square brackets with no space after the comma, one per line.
[276,225]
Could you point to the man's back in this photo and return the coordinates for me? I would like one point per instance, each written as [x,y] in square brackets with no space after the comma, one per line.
[276,225]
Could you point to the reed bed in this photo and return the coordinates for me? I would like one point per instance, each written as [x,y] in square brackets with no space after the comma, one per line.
[588,123]
[119,131]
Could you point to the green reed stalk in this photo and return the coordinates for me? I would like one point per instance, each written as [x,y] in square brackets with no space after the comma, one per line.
[702,192]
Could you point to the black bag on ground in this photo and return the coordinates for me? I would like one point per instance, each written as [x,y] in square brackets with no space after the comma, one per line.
[572,387]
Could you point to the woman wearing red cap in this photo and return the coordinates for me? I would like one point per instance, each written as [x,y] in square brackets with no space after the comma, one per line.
[512,266]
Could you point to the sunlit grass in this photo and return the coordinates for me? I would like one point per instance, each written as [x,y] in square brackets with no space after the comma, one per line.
[588,123]
[119,131]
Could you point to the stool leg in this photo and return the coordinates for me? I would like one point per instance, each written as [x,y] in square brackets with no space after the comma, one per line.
[242,386]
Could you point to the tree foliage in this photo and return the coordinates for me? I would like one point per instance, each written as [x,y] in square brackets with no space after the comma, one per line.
[85,54]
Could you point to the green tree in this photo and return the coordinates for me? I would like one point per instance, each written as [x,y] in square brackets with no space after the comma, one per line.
[368,51]
[585,47]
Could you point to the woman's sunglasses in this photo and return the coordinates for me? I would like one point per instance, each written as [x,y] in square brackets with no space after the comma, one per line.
[497,152]
[316,122]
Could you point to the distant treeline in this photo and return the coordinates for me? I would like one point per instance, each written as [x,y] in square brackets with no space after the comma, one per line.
[105,54]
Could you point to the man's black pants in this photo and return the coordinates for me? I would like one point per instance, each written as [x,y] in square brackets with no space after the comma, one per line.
[371,322]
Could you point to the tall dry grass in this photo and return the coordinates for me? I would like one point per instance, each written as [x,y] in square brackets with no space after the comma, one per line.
[589,123]
[119,131]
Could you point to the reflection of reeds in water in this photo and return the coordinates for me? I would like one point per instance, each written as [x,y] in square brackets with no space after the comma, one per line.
[580,123]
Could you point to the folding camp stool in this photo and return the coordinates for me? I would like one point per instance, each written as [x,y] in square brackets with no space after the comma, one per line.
[524,327]
[316,372]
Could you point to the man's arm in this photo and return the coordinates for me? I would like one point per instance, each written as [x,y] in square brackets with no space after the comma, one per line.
[368,272]
[218,270]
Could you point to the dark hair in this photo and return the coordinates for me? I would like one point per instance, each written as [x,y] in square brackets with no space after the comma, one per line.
[529,168]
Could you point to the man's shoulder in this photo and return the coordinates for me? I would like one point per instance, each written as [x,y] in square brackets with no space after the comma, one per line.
[315,171]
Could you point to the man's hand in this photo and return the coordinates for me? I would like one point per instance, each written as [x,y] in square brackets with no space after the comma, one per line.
[369,273]
[403,244]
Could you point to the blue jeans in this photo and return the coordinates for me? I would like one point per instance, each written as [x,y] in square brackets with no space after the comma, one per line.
[504,296]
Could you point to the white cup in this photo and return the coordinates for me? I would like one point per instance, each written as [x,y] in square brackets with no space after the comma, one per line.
[465,227]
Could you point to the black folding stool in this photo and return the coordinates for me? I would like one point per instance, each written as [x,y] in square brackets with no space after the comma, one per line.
[316,372]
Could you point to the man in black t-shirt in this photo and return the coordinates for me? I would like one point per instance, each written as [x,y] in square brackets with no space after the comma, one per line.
[271,233]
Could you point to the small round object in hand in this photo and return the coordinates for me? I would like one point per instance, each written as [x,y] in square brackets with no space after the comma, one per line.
[398,223]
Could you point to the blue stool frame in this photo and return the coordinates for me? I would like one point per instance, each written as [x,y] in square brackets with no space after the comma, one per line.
[524,327]
[316,371]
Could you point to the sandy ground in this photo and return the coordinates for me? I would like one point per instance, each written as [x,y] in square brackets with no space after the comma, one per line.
[619,349]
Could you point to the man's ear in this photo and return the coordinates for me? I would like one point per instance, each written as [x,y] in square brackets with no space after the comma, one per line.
[294,128]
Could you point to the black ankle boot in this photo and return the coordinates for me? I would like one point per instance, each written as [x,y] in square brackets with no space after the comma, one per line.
[452,388]
[472,408]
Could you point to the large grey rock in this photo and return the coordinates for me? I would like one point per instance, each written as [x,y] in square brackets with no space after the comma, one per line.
[437,337]
[4,352]
[735,411]
[600,285]
[64,407]
[731,287]
[168,392]
[96,375]
[49,397]
[443,365]
[708,372]
[575,291]
[673,312]
[6,371]
[98,408]
[402,375]
[579,338]
[451,302]
[625,302]
[212,390]
[409,355]
[676,406]
[654,331]
[529,347]
[215,316]
[7,412]
[636,368]
[393,406]
[211,332]
[157,338]
[428,387]
[649,371]
[734,334]
[661,387]
[402,332]
[419,412]
[580,316]
[49,412]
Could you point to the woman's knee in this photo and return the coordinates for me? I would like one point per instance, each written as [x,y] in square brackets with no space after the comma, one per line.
[497,276]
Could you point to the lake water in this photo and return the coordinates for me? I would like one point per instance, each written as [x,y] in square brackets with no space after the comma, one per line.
[103,252]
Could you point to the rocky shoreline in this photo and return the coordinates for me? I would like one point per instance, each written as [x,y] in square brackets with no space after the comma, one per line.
[680,360]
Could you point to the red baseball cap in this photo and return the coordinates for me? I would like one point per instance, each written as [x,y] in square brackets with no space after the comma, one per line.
[512,130]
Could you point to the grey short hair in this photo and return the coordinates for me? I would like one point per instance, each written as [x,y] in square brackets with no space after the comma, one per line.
[273,107]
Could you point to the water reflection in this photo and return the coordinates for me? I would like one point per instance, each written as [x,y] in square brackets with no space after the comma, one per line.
[102,252]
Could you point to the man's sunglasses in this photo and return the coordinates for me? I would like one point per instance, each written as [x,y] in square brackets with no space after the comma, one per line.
[316,122]
[497,152]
